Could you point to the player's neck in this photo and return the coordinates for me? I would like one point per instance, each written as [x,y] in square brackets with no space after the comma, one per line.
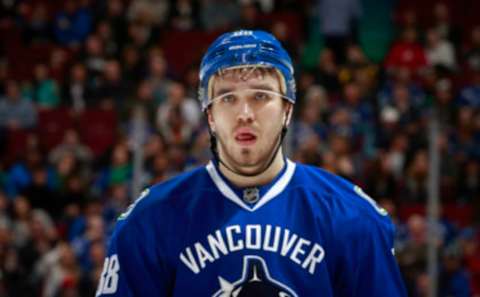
[257,180]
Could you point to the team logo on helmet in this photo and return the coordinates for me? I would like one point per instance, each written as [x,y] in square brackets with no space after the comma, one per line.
[255,281]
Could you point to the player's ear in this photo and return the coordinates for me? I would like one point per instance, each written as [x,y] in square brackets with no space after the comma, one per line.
[211,122]
[288,113]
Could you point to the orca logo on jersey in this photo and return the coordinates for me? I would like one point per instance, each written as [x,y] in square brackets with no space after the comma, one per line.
[255,281]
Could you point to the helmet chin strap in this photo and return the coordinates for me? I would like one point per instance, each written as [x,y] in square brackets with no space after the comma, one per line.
[216,156]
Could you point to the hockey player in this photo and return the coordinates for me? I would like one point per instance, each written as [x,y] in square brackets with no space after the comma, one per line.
[251,222]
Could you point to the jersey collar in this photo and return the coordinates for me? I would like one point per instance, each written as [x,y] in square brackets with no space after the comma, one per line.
[278,186]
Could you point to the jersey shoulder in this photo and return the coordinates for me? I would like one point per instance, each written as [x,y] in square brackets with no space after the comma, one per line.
[344,200]
[163,198]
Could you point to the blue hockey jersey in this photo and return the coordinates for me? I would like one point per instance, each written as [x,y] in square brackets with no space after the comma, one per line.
[309,233]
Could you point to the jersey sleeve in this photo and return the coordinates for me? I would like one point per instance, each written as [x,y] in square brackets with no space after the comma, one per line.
[132,266]
[369,265]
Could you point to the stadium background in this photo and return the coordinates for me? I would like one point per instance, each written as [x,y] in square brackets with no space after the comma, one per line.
[98,99]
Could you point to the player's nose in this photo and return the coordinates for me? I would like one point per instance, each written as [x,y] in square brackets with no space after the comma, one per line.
[246,112]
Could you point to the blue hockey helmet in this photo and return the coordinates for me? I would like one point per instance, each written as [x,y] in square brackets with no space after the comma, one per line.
[245,48]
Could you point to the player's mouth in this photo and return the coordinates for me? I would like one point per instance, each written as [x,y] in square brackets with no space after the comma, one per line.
[245,136]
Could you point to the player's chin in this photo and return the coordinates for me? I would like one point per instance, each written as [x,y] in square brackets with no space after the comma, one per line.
[248,161]
[248,169]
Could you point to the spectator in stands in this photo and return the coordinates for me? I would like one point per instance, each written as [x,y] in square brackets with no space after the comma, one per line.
[38,27]
[153,12]
[219,15]
[134,68]
[89,281]
[443,99]
[282,31]
[309,122]
[406,52]
[58,64]
[409,19]
[200,153]
[73,196]
[70,145]
[454,280]
[115,203]
[73,220]
[397,155]
[156,158]
[14,281]
[402,102]
[112,90]
[155,145]
[309,152]
[470,248]
[118,171]
[472,54]
[337,24]
[191,81]
[172,124]
[360,109]
[157,76]
[105,32]
[16,112]
[114,14]
[401,79]
[41,241]
[470,94]
[412,257]
[46,91]
[341,123]
[356,66]
[468,182]
[380,181]
[19,175]
[339,144]
[179,116]
[41,192]
[326,72]
[141,35]
[60,271]
[443,24]
[66,166]
[77,91]
[440,52]
[144,99]
[190,107]
[464,141]
[94,56]
[177,159]
[94,232]
[73,23]
[250,17]
[22,212]
[158,169]
[184,15]
[416,180]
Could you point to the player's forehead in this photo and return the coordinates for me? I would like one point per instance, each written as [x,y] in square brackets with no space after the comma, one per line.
[246,78]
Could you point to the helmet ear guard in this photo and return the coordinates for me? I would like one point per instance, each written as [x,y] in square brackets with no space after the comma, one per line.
[245,48]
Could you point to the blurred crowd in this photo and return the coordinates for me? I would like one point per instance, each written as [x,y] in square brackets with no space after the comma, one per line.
[75,76]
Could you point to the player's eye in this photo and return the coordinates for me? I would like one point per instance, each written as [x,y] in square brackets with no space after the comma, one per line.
[228,98]
[262,96]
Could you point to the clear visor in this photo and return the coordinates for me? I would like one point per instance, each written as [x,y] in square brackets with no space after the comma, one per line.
[250,96]
[245,73]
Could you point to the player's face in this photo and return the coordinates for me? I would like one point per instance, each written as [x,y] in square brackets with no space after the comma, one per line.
[247,115]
